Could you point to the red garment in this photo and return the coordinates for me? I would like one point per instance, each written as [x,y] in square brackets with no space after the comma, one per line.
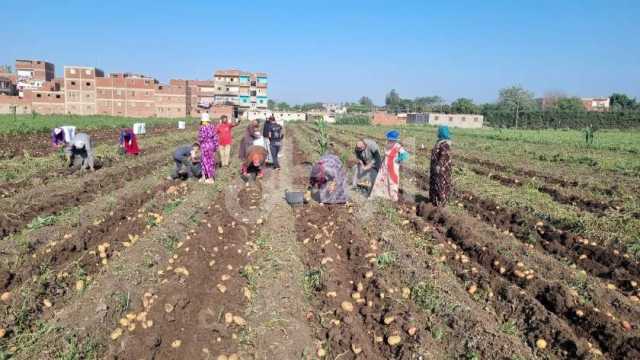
[224,133]
[131,146]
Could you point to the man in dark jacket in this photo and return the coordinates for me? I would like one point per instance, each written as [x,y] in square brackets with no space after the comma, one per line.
[187,159]
[81,152]
[276,134]
[369,161]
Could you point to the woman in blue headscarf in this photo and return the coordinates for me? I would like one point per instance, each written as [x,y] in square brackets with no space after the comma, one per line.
[440,177]
[387,184]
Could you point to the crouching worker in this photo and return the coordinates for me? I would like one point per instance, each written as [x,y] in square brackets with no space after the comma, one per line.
[329,181]
[81,152]
[254,162]
[58,141]
[129,142]
[369,163]
[187,159]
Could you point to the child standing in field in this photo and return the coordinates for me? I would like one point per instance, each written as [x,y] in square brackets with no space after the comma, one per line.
[440,172]
[208,140]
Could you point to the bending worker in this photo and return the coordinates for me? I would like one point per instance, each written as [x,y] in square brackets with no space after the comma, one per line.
[369,161]
[81,152]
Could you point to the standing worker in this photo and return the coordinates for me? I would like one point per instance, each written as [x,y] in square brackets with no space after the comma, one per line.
[226,139]
[81,152]
[208,139]
[440,171]
[265,134]
[275,136]
[129,142]
[387,184]
[369,162]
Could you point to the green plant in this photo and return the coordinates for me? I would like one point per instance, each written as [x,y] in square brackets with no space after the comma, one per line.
[171,206]
[509,327]
[169,242]
[121,302]
[385,259]
[425,295]
[312,281]
[322,137]
[42,221]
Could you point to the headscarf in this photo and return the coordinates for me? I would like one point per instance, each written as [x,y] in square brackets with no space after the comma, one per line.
[393,135]
[204,118]
[443,133]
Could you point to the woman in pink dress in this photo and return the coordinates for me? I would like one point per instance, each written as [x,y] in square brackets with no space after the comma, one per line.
[208,139]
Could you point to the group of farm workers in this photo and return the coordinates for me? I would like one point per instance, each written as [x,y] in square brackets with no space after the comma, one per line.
[379,172]
[257,149]
[376,171]
[78,148]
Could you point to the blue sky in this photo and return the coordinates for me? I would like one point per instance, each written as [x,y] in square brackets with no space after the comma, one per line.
[341,50]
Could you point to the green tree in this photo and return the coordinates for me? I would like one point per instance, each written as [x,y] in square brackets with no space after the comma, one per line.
[516,100]
[464,106]
[6,69]
[271,104]
[568,104]
[621,102]
[393,101]
[428,103]
[366,101]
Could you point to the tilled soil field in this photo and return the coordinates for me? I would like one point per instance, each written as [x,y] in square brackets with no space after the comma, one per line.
[124,264]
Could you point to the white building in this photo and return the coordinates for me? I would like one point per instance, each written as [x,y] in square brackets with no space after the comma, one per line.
[469,121]
[281,116]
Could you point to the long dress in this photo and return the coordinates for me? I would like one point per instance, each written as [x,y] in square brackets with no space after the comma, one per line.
[440,177]
[129,142]
[208,139]
[329,180]
[387,182]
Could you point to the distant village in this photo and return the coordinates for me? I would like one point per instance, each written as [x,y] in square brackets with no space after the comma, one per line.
[33,88]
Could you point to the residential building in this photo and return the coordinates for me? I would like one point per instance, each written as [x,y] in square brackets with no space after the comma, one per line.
[7,87]
[596,104]
[335,109]
[32,74]
[280,116]
[125,94]
[247,91]
[470,121]
[385,118]
[80,89]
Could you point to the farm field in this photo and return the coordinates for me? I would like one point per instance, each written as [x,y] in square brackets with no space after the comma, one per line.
[536,256]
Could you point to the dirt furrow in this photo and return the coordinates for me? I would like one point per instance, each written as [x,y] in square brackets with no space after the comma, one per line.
[615,338]
[43,202]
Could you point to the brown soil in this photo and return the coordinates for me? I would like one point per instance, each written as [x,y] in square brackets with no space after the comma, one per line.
[189,311]
[556,299]
[39,144]
[27,207]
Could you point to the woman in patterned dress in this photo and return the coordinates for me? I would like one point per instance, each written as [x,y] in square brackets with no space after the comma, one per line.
[387,182]
[440,177]
[208,139]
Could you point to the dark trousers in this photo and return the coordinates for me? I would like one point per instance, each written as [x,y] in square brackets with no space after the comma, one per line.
[275,149]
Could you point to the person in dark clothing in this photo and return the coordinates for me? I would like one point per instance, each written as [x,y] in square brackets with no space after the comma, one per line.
[440,170]
[248,138]
[369,161]
[81,152]
[187,159]
[276,134]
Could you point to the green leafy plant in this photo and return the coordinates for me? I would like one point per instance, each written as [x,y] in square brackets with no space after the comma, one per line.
[322,137]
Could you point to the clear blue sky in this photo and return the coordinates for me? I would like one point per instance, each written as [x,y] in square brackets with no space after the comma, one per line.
[341,50]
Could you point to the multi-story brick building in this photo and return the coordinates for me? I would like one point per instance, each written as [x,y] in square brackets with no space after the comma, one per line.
[245,90]
[124,94]
[87,91]
[32,74]
[80,89]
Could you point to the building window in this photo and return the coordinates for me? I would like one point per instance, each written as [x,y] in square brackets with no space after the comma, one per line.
[73,83]
[38,95]
[464,118]
[450,118]
[57,96]
[475,119]
[72,71]
[88,84]
[437,117]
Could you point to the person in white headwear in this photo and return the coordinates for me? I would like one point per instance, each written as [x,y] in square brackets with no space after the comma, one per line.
[81,152]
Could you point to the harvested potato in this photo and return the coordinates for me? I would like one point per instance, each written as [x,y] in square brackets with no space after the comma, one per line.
[347,306]
[394,340]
